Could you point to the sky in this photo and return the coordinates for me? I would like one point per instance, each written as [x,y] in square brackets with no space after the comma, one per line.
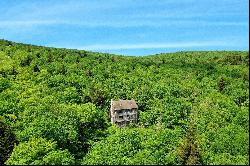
[128,27]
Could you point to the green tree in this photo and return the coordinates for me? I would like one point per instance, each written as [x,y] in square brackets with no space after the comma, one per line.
[39,151]
[7,142]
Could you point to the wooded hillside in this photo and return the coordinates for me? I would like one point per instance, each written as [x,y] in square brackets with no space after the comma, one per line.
[54,103]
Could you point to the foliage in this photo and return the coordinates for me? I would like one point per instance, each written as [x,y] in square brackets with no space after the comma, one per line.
[7,141]
[71,126]
[39,151]
[193,106]
[136,146]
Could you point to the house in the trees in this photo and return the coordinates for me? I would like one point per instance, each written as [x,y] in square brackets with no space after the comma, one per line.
[123,112]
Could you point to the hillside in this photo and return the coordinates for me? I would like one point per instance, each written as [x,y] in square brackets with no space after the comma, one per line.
[193,107]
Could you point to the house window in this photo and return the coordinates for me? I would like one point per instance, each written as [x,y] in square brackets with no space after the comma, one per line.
[120,117]
[120,111]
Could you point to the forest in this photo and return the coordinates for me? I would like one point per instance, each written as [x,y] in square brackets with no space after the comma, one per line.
[54,103]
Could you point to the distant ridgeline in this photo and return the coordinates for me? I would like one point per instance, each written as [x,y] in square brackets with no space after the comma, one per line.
[54,107]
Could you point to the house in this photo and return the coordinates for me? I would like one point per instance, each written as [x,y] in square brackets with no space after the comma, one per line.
[122,112]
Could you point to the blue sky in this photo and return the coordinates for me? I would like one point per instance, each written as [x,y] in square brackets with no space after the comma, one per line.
[128,27]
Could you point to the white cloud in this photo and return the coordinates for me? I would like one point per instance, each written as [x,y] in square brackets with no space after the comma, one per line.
[153,45]
[115,24]
[26,23]
[117,14]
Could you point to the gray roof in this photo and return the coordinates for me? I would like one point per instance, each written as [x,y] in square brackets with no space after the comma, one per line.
[123,104]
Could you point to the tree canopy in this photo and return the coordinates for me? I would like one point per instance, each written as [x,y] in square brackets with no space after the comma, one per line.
[54,103]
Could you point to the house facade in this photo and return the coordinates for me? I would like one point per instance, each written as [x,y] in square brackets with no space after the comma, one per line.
[123,112]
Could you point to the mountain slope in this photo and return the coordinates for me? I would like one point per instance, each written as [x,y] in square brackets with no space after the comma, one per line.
[193,107]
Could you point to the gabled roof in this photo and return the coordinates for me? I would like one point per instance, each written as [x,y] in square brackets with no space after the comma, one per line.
[123,104]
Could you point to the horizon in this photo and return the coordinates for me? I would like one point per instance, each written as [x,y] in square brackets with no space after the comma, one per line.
[128,27]
[126,55]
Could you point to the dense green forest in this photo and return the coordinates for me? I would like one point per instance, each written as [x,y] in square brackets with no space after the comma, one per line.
[54,103]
